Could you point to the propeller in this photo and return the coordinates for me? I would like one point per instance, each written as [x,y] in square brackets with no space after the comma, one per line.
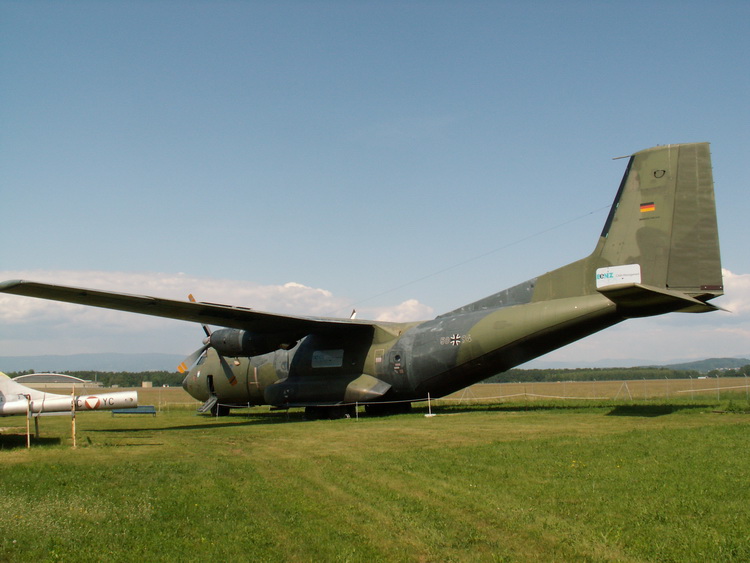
[192,358]
[205,327]
[188,362]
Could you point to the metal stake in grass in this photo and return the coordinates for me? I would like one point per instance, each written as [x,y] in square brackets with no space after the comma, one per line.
[28,418]
[73,415]
[692,391]
[429,407]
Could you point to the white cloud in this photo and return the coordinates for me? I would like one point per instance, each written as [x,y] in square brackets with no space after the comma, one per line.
[35,326]
[38,326]
[290,297]
[30,326]
[409,310]
[737,293]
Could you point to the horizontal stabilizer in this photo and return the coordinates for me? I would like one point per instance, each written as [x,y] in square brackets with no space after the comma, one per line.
[639,300]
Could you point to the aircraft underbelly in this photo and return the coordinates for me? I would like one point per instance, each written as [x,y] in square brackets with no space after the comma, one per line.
[502,339]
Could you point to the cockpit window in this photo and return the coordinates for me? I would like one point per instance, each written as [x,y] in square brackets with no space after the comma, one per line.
[201,359]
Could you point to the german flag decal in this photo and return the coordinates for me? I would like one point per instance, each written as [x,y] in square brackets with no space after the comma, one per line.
[646,207]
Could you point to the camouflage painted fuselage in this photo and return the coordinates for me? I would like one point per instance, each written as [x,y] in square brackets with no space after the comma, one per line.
[438,357]
[658,253]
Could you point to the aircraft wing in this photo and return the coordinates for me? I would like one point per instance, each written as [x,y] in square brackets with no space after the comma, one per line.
[204,313]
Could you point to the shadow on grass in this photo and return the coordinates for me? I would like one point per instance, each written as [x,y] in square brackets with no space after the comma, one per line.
[239,419]
[616,409]
[652,410]
[15,441]
[230,421]
[510,407]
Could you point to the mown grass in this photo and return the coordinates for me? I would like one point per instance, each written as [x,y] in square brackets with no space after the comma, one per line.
[606,481]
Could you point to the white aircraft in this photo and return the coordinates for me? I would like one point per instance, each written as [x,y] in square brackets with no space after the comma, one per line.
[18,399]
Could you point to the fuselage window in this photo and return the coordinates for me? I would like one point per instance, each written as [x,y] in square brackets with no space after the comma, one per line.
[328,358]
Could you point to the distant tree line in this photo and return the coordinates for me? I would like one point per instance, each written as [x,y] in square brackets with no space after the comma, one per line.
[744,371]
[611,374]
[592,374]
[123,378]
[174,379]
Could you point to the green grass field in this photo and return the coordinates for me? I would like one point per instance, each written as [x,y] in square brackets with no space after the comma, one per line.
[524,480]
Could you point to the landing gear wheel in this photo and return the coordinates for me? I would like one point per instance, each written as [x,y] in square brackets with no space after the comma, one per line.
[219,410]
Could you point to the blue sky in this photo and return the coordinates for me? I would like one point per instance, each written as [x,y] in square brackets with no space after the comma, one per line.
[302,157]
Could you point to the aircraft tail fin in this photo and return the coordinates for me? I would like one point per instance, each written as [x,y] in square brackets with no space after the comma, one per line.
[659,249]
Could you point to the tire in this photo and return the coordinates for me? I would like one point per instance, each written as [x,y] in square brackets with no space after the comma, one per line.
[220,410]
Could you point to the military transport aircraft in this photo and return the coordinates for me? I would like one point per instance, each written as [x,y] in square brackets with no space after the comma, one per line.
[658,253]
[19,399]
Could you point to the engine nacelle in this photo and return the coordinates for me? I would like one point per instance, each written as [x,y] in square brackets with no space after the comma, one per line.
[236,342]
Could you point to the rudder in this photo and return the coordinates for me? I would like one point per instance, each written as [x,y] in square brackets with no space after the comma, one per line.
[664,220]
[659,249]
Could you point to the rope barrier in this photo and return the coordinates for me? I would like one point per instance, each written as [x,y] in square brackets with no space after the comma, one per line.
[429,400]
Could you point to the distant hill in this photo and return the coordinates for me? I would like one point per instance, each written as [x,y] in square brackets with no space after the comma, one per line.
[91,362]
[676,364]
[710,364]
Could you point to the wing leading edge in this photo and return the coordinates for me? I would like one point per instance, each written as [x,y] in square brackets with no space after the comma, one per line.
[204,313]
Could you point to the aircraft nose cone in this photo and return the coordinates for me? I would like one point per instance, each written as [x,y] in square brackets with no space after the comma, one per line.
[185,382]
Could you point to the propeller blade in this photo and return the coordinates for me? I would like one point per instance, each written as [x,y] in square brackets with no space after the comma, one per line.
[192,358]
[205,327]
[227,371]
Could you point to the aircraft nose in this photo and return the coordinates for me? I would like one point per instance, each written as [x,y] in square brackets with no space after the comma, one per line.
[185,382]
